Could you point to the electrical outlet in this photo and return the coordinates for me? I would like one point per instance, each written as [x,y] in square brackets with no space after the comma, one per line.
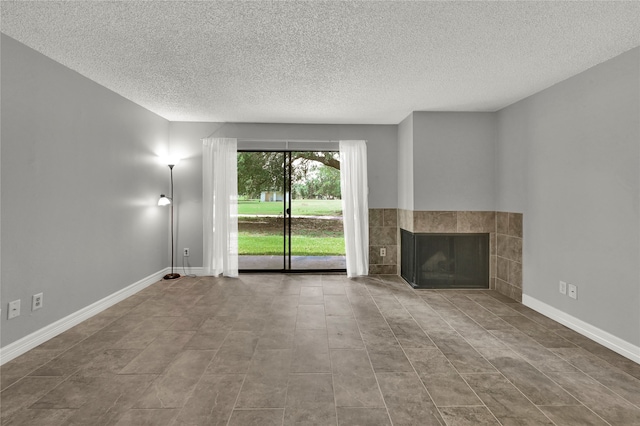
[36,302]
[185,252]
[383,251]
[14,309]
[563,287]
[573,291]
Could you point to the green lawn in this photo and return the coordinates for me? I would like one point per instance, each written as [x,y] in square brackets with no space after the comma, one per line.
[310,236]
[259,244]
[298,207]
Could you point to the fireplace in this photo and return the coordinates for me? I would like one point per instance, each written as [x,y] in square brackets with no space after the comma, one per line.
[441,261]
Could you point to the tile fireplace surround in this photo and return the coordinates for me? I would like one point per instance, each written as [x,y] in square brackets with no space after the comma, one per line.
[505,240]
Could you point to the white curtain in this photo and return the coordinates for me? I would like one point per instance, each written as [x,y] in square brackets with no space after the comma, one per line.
[220,206]
[355,206]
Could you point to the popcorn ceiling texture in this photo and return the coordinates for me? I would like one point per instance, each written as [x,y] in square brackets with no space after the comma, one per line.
[323,62]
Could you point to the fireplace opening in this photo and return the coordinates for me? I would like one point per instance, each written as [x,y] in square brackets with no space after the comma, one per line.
[445,260]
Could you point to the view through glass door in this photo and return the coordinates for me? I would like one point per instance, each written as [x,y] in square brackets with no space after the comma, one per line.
[290,211]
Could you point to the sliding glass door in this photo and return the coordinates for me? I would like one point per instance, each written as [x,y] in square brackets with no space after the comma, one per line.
[290,213]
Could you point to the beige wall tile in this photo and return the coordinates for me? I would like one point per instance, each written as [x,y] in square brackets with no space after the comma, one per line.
[375,217]
[493,266]
[476,222]
[515,225]
[383,269]
[515,273]
[434,221]
[384,232]
[509,247]
[383,236]
[502,271]
[405,219]
[374,255]
[515,248]
[492,243]
[502,222]
[390,217]
[390,259]
[503,287]
[502,245]
[392,256]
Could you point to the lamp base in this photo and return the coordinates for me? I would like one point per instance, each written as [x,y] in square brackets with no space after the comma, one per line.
[171,276]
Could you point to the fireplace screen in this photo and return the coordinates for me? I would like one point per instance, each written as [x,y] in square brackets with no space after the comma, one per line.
[445,260]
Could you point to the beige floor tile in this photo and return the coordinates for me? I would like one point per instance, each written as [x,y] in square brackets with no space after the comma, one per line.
[343,333]
[276,339]
[354,382]
[172,389]
[211,401]
[27,363]
[311,352]
[391,359]
[311,317]
[265,385]
[310,400]
[461,354]
[573,416]
[338,305]
[260,417]
[27,416]
[145,333]
[350,416]
[333,287]
[155,358]
[311,296]
[115,397]
[468,416]
[532,383]
[504,400]
[407,400]
[601,400]
[234,356]
[406,330]
[157,417]
[23,393]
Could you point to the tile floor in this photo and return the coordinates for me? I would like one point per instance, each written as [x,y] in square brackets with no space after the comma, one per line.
[318,350]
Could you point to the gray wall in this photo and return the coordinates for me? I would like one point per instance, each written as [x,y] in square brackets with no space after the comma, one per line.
[569,157]
[454,160]
[185,140]
[80,183]
[405,163]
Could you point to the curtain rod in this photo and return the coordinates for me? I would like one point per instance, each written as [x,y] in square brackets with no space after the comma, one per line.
[286,140]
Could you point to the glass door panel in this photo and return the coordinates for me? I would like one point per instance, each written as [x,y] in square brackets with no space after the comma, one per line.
[261,205]
[290,212]
[317,235]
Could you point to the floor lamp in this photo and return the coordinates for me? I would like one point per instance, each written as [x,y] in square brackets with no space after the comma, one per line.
[163,201]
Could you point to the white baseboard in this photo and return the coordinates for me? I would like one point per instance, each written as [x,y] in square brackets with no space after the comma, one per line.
[17,348]
[612,342]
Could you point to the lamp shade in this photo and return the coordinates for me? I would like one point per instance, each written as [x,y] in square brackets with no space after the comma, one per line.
[164,200]
[170,160]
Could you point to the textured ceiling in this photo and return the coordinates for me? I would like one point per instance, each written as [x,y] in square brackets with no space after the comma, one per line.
[323,62]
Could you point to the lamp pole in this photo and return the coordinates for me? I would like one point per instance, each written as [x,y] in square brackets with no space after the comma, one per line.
[172,275]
